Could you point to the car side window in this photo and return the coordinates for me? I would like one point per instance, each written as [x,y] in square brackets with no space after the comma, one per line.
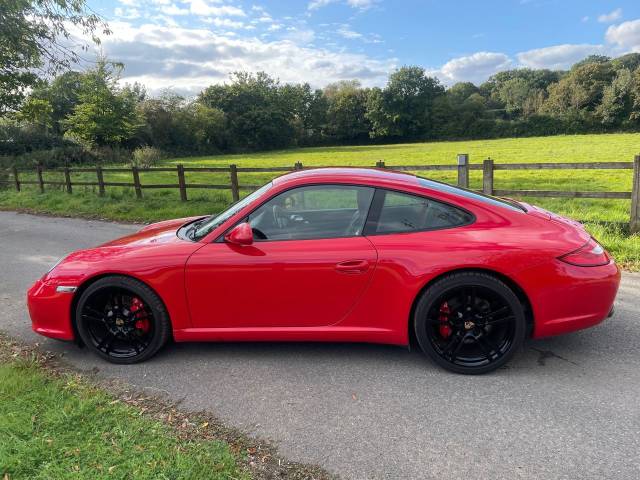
[313,212]
[401,212]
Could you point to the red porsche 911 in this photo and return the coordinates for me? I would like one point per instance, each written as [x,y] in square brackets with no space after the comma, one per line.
[340,255]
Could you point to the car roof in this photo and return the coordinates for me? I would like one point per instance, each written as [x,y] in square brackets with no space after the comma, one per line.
[373,176]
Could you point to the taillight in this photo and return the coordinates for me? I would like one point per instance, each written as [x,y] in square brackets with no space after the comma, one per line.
[589,255]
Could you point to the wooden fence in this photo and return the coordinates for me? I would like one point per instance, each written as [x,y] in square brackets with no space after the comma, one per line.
[463,167]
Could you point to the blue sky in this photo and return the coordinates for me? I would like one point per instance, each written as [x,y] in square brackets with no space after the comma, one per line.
[188,44]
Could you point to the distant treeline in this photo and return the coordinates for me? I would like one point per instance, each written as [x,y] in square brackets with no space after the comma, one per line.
[81,116]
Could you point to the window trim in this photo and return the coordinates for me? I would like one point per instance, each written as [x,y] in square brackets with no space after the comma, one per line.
[371,223]
[220,239]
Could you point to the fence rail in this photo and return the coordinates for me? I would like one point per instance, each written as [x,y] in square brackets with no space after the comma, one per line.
[463,167]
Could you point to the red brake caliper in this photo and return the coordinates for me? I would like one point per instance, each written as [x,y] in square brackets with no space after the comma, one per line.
[142,322]
[445,329]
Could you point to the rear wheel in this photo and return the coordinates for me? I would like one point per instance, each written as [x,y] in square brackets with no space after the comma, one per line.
[469,322]
[122,320]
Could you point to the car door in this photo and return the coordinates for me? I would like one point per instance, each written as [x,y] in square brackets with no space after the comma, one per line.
[308,266]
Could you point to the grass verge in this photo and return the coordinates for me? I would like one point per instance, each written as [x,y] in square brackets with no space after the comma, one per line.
[57,423]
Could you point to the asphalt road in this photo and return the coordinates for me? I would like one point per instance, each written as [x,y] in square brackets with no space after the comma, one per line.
[566,407]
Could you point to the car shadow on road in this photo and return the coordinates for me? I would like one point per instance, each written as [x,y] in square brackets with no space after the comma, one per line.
[583,349]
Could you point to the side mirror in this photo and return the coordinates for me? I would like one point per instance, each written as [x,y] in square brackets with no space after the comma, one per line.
[240,235]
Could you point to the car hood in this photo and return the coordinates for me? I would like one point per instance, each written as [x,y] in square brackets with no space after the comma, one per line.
[153,234]
[153,248]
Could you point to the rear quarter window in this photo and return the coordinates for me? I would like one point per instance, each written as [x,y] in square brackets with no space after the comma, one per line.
[402,213]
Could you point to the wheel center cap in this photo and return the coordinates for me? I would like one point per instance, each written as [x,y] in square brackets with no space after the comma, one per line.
[468,325]
[119,322]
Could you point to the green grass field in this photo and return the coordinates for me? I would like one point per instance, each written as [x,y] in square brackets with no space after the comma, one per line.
[606,219]
[64,428]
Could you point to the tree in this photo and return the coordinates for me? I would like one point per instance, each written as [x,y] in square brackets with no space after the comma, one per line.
[581,90]
[105,114]
[34,39]
[403,107]
[616,101]
[37,112]
[258,115]
[346,111]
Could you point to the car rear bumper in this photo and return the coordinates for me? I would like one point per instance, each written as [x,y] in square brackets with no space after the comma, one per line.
[50,310]
[566,298]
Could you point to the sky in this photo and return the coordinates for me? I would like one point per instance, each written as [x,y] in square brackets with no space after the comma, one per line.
[186,45]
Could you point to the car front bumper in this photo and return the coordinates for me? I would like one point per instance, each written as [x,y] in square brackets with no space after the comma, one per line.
[50,309]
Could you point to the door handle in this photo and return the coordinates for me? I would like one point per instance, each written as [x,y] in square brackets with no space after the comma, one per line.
[353,266]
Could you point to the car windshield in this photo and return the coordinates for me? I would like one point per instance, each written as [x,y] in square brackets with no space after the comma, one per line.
[207,225]
[445,187]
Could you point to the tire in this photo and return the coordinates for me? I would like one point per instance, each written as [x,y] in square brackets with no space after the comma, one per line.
[469,323]
[146,330]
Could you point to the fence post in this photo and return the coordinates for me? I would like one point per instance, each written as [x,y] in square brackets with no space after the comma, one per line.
[100,180]
[40,180]
[487,177]
[233,175]
[67,179]
[136,181]
[16,179]
[380,164]
[463,170]
[182,184]
[634,224]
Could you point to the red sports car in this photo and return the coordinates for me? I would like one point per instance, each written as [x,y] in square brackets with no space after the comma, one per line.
[341,255]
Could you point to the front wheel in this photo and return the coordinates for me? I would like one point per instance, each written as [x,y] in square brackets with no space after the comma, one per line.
[469,322]
[122,320]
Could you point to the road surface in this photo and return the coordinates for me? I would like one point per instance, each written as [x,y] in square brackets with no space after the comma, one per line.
[564,408]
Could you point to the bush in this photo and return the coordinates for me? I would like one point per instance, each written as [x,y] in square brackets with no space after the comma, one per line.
[145,157]
[16,139]
[112,154]
[52,158]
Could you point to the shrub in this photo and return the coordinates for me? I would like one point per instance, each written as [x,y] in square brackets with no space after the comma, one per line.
[111,154]
[145,157]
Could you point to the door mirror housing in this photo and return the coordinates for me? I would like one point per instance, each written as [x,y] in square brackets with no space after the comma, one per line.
[240,235]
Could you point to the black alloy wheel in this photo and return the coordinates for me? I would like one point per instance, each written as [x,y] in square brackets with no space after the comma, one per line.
[122,320]
[470,322]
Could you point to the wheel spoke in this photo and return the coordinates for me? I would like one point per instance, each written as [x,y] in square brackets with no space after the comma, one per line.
[452,343]
[473,297]
[499,320]
[500,310]
[93,311]
[94,318]
[480,340]
[106,343]
[456,350]
[491,344]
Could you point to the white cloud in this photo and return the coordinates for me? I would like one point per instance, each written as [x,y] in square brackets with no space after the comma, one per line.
[173,10]
[611,16]
[316,4]
[558,57]
[190,59]
[472,68]
[625,36]
[358,4]
[585,19]
[345,32]
[361,4]
[127,13]
[224,22]
[209,8]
